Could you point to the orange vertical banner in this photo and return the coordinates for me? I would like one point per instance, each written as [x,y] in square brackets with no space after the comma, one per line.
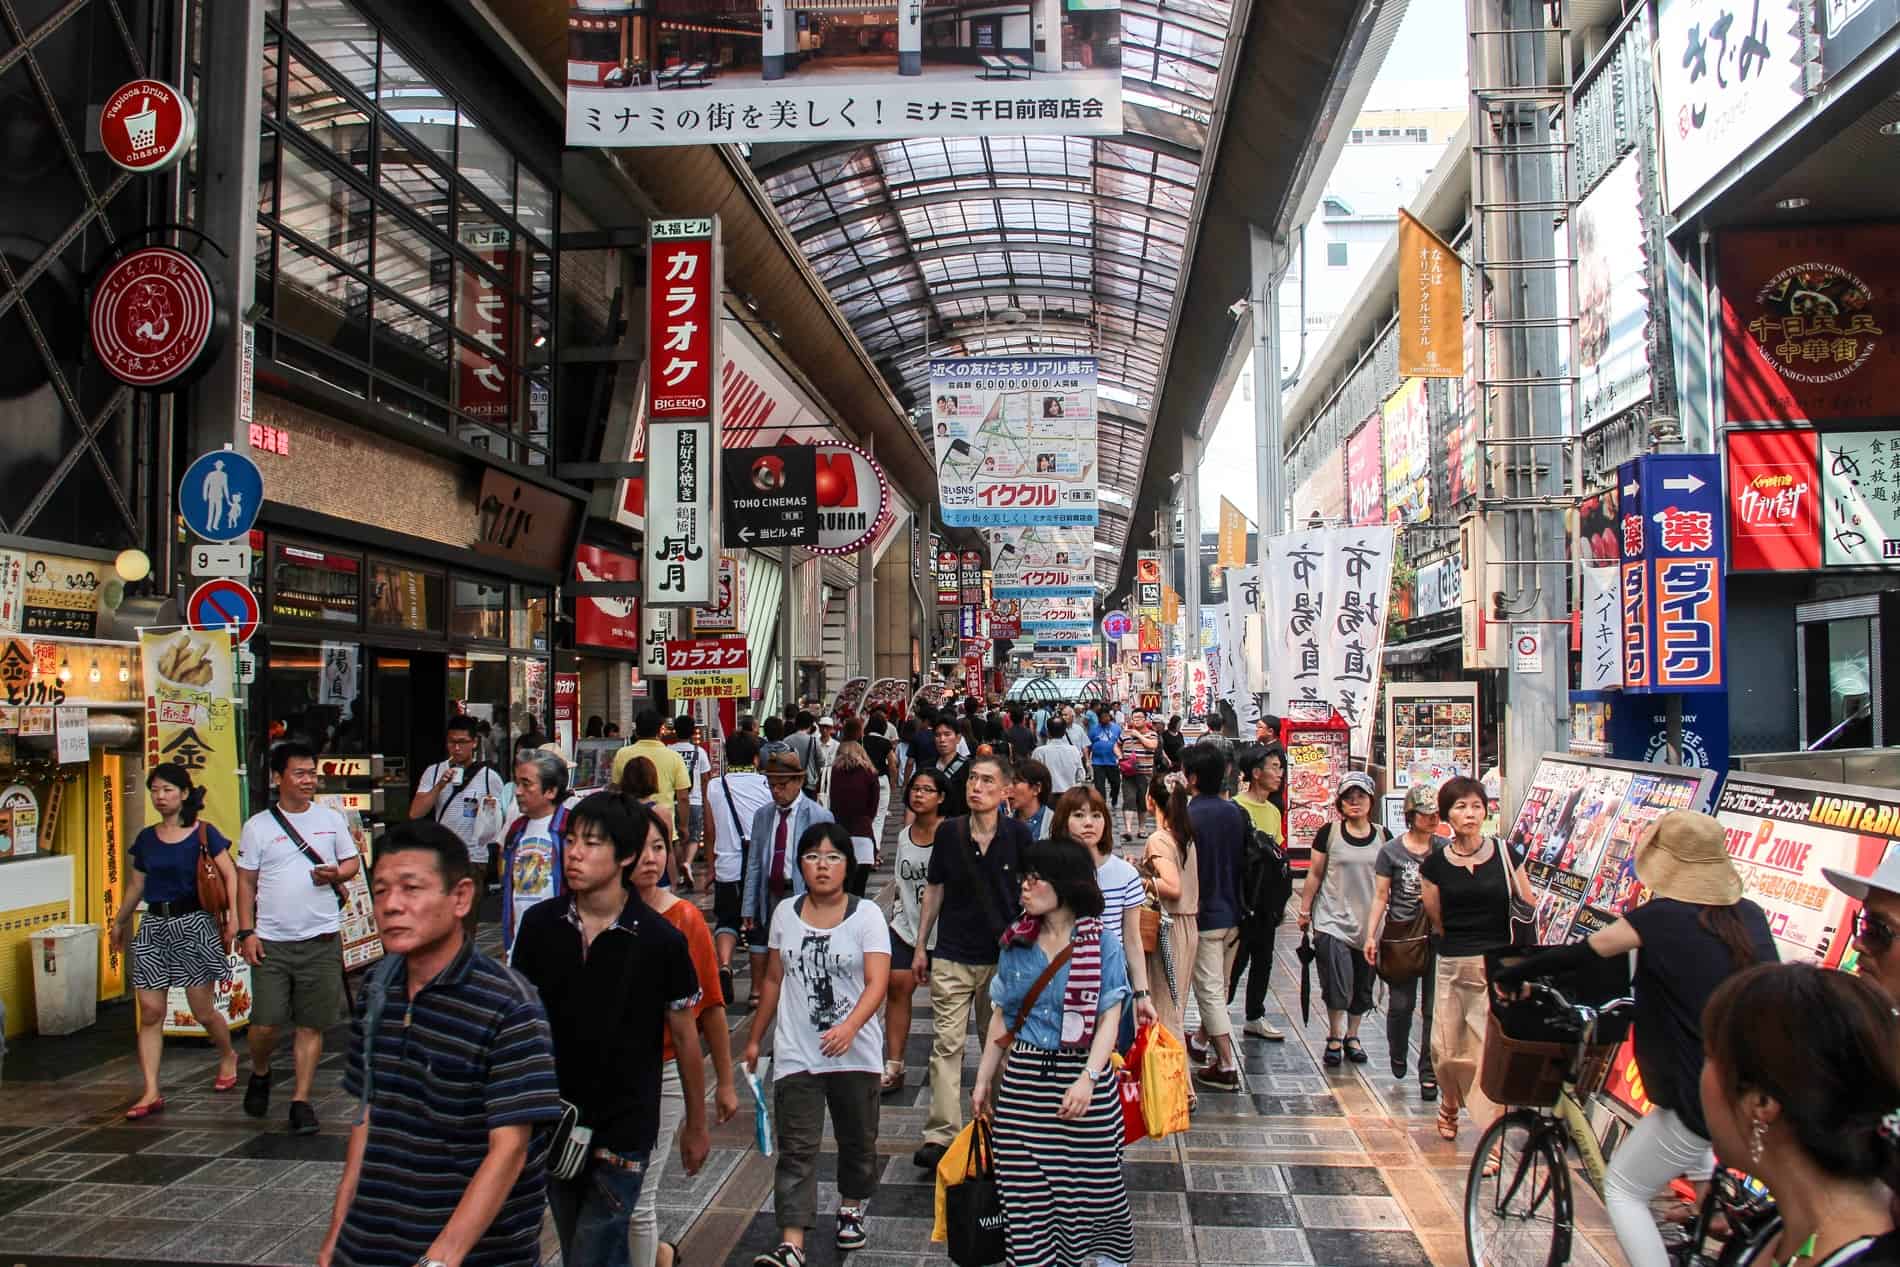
[1431,304]
[1231,552]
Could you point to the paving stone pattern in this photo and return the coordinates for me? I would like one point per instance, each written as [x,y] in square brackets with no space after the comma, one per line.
[1307,1166]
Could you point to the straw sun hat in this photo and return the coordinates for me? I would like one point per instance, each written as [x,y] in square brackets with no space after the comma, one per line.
[1683,857]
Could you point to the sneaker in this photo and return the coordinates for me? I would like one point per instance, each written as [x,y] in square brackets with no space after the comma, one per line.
[786,1255]
[1259,1028]
[1216,1078]
[851,1233]
[725,985]
[1199,1052]
[303,1118]
[257,1095]
[1398,1067]
[927,1157]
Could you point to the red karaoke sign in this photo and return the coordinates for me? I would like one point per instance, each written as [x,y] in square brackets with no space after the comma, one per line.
[683,292]
[152,316]
[146,126]
[486,315]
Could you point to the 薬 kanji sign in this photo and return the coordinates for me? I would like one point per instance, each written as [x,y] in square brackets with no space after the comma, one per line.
[1673,562]
[707,668]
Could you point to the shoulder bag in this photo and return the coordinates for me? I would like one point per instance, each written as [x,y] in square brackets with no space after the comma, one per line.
[1523,914]
[316,859]
[212,895]
[1405,946]
[1150,908]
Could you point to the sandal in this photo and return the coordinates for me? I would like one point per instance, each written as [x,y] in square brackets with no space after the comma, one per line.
[1493,1163]
[1335,1053]
[1355,1051]
[893,1079]
[1447,1121]
[138,1111]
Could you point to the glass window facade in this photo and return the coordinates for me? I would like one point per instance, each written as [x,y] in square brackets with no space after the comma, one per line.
[404,253]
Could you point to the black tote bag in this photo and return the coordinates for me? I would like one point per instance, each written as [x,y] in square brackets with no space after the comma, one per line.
[973,1209]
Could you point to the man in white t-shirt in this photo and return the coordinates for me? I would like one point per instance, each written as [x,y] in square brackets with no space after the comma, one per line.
[827,754]
[531,847]
[1064,762]
[698,763]
[292,861]
[733,800]
[469,798]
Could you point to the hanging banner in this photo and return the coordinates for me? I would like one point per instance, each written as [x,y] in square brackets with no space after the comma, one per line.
[1357,579]
[191,717]
[946,578]
[1613,312]
[707,668]
[1602,630]
[606,621]
[728,608]
[1464,427]
[682,538]
[1015,440]
[1810,322]
[1774,506]
[1365,475]
[1042,562]
[1406,432]
[684,291]
[970,578]
[1721,84]
[1431,303]
[1294,571]
[658,626]
[1231,550]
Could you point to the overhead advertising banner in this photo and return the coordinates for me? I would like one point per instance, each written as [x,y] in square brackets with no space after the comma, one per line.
[853,497]
[707,668]
[727,614]
[682,544]
[606,622]
[1148,582]
[771,496]
[1774,506]
[1015,441]
[946,578]
[1673,568]
[1321,497]
[1860,497]
[1365,475]
[1231,543]
[1042,562]
[684,291]
[1722,80]
[1464,427]
[1781,832]
[1613,301]
[756,75]
[658,626]
[1809,319]
[1407,436]
[1431,303]
[970,578]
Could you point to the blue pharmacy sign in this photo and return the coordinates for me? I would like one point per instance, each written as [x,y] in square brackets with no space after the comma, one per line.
[220,495]
[1674,559]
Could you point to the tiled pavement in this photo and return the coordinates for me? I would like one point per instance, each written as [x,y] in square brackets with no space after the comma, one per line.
[1309,1166]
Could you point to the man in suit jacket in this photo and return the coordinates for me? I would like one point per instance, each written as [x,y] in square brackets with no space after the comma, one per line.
[771,870]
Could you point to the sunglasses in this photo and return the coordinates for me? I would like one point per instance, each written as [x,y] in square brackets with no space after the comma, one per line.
[1873,932]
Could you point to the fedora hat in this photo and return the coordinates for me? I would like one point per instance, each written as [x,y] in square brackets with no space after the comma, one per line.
[1885,878]
[1684,858]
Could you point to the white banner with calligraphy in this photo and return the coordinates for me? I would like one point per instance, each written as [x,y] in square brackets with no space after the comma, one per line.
[1602,629]
[1358,579]
[1295,578]
[682,533]
[1015,440]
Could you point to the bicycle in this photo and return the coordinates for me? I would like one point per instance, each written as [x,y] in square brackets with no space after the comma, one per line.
[1523,1215]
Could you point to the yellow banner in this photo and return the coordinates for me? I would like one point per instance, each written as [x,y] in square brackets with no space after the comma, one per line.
[191,717]
[1232,550]
[685,686]
[105,869]
[1170,607]
[1431,304]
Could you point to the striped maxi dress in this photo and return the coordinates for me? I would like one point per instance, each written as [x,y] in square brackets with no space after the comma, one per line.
[1064,1200]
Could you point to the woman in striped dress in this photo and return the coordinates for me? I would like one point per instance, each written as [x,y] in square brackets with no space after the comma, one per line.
[1056,1108]
[179,943]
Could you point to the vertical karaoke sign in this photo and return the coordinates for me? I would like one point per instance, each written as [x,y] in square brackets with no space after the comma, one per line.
[685,290]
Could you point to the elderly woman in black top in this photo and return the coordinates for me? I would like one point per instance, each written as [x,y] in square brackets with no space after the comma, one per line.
[178,943]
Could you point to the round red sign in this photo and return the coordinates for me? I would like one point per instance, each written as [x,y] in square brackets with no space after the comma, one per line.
[146,126]
[853,498]
[152,316]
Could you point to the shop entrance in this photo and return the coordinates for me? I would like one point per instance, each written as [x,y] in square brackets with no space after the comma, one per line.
[408,691]
[1842,665]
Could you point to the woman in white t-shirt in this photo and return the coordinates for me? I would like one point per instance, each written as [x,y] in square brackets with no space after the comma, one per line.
[830,972]
[1082,816]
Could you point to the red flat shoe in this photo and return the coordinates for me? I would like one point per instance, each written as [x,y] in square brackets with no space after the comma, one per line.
[224,1084]
[138,1111]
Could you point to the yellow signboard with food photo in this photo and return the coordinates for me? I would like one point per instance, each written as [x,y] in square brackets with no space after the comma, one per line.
[191,716]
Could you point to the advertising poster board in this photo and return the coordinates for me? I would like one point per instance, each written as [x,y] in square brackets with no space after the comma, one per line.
[1576,830]
[1612,272]
[1407,428]
[1317,758]
[1431,732]
[1365,475]
[1781,831]
[1042,562]
[1015,440]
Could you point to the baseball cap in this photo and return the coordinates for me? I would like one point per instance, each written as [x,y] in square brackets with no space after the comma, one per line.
[1355,781]
[1421,798]
[1885,878]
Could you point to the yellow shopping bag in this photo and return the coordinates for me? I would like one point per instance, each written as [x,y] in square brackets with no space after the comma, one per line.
[1164,1083]
[950,1172]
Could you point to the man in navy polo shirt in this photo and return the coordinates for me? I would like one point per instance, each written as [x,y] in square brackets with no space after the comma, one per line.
[451,1058]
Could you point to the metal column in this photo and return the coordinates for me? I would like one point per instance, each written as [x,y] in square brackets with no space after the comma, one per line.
[1190,555]
[788,684]
[1267,259]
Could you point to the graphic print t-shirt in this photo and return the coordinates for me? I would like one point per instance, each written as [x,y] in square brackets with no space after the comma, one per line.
[533,875]
[824,979]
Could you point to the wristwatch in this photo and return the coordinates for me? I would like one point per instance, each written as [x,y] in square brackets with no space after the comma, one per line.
[1093,1076]
[1141,994]
[242,933]
[426,1261]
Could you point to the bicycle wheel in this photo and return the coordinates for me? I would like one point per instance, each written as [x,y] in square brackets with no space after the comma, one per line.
[1521,1216]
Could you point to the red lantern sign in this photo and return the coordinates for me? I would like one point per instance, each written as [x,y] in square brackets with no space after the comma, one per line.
[146,126]
[153,316]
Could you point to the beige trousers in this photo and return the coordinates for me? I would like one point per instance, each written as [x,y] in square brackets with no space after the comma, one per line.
[957,990]
[1458,1022]
[1213,956]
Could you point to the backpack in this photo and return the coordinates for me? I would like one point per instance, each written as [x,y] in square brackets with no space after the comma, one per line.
[1266,875]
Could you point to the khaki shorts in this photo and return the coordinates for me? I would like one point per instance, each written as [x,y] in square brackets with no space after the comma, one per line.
[298,983]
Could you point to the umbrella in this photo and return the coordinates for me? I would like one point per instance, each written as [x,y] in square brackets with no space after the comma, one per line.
[1166,943]
[1307,954]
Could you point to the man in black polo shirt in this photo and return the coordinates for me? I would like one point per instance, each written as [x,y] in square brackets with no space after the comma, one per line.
[450,1058]
[616,978]
[971,894]
[953,767]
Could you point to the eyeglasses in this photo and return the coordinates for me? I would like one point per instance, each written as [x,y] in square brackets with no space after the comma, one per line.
[825,859]
[1873,932]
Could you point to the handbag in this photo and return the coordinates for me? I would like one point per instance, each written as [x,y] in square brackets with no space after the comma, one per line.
[973,1209]
[212,895]
[1523,914]
[1126,763]
[1163,1066]
[1404,948]
[1128,1085]
[568,1144]
[1150,912]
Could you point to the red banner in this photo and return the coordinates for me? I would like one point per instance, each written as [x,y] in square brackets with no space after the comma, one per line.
[1774,504]
[606,622]
[1365,475]
[485,313]
[682,320]
[1809,321]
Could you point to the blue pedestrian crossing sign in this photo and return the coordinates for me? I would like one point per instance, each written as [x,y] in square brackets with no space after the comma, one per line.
[220,495]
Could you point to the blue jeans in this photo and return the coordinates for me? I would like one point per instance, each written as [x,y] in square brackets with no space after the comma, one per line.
[592,1214]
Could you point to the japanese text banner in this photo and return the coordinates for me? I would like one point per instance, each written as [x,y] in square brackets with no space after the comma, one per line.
[1015,441]
[1042,562]
[1431,303]
[190,716]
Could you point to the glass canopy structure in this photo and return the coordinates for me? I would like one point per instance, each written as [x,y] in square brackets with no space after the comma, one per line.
[1012,246]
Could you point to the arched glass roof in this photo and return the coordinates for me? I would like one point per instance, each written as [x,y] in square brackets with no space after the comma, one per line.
[1012,245]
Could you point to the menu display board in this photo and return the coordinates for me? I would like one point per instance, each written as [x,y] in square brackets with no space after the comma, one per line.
[1431,732]
[1782,831]
[1577,830]
[1317,757]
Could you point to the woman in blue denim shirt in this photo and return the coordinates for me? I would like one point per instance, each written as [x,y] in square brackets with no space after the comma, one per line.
[1057,1114]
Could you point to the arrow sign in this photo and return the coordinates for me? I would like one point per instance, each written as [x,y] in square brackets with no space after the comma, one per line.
[222,602]
[1682,483]
[1629,489]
